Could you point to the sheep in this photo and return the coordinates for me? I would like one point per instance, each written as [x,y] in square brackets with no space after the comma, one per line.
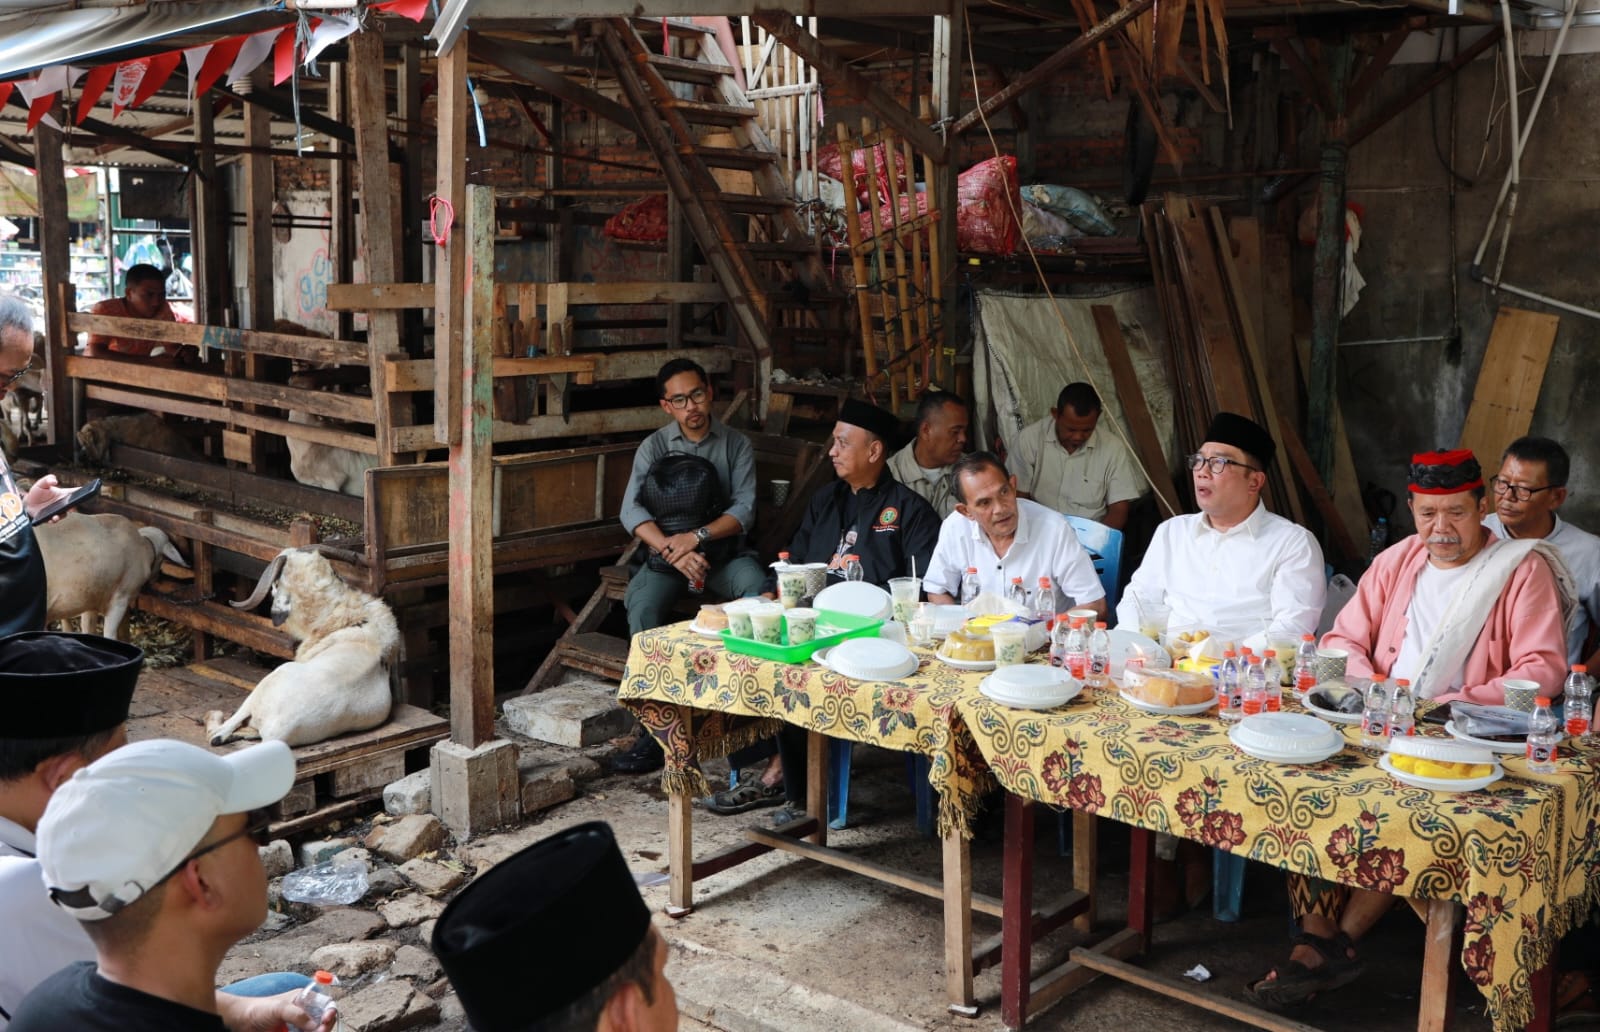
[141,430]
[325,465]
[338,680]
[24,402]
[97,564]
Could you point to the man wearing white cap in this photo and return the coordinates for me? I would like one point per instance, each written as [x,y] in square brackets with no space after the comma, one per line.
[151,848]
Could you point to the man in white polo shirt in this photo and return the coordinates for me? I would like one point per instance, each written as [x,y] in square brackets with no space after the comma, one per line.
[1233,567]
[1003,537]
[1530,487]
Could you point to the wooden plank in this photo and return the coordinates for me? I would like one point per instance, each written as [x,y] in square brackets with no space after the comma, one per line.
[238,487]
[505,54]
[1207,299]
[217,387]
[260,308]
[225,338]
[56,262]
[1346,488]
[644,292]
[1508,381]
[194,410]
[1180,989]
[957,856]
[361,297]
[1141,425]
[579,424]
[1311,480]
[1441,944]
[416,374]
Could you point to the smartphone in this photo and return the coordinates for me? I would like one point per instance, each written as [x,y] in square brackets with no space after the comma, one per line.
[1437,715]
[71,501]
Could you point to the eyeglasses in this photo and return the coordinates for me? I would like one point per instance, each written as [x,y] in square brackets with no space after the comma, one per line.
[681,401]
[5,384]
[1517,491]
[1219,464]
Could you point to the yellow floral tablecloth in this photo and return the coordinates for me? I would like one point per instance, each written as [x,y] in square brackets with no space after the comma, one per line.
[1520,856]
[698,699]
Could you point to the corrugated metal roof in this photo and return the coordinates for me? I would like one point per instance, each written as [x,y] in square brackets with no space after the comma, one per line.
[41,37]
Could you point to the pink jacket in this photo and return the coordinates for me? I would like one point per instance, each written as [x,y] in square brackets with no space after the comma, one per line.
[1524,636]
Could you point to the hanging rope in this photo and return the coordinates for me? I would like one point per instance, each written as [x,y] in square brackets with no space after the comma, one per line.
[441,233]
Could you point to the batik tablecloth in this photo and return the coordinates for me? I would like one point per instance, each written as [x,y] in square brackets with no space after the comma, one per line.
[1520,856]
[698,699]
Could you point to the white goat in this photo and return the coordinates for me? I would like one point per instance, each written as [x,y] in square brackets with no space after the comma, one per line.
[338,680]
[141,430]
[97,564]
[325,465]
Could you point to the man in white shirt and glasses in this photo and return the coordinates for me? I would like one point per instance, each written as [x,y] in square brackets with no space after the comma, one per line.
[1234,567]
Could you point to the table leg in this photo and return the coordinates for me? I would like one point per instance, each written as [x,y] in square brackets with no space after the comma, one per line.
[680,854]
[1440,949]
[1085,862]
[1016,922]
[958,923]
[1542,983]
[817,784]
[1141,884]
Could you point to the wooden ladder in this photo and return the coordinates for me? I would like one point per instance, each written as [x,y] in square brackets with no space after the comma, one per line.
[754,242]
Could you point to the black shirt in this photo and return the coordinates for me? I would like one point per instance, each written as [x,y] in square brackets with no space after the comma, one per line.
[885,524]
[22,587]
[77,998]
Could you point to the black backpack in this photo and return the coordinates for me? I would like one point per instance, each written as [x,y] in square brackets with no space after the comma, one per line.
[682,493]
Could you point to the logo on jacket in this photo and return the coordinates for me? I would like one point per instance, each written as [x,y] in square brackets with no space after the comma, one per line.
[887,519]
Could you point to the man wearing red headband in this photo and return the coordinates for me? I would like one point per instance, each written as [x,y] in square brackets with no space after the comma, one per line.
[1454,611]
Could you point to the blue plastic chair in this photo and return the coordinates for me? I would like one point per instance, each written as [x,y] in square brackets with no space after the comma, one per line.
[1104,545]
[839,755]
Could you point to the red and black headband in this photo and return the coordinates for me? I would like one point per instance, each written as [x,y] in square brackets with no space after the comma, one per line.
[1445,472]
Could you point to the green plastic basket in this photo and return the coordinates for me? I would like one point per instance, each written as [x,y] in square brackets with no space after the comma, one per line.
[840,626]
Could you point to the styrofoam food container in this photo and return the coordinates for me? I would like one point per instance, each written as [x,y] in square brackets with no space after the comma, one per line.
[1440,750]
[872,659]
[948,618]
[1029,680]
[1285,733]
[858,598]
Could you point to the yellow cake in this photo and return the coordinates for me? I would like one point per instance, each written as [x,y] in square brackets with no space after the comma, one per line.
[968,644]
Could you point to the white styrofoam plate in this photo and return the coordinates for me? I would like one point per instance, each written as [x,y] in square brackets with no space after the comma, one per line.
[704,632]
[872,659]
[1440,784]
[1517,748]
[858,598]
[966,664]
[1066,692]
[1273,756]
[1333,716]
[1186,710]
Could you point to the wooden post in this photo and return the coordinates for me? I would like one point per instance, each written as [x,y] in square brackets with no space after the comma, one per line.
[408,89]
[1327,285]
[210,221]
[957,856]
[1016,926]
[57,260]
[472,482]
[377,226]
[258,267]
[949,34]
[341,201]
[450,181]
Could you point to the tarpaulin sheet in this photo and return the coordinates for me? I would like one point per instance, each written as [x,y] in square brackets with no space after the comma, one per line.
[35,40]
[1023,360]
[19,195]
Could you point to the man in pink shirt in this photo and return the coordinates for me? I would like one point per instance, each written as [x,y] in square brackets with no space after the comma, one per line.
[1455,611]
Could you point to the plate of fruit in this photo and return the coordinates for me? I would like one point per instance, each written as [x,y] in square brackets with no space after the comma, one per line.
[1441,766]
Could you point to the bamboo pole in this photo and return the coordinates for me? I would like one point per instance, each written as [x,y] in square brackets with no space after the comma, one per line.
[907,333]
[919,272]
[879,261]
[858,260]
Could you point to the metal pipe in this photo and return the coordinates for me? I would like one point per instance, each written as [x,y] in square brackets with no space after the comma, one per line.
[1541,298]
[1519,142]
[1391,340]
[1513,106]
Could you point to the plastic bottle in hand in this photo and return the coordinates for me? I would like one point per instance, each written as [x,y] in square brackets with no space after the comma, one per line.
[1543,733]
[969,585]
[1305,670]
[1375,713]
[1077,650]
[317,997]
[1230,698]
[852,568]
[1058,641]
[1274,672]
[1402,710]
[1579,703]
[1099,655]
[1253,688]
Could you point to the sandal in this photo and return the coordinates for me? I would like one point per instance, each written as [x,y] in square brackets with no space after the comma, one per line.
[1296,984]
[747,795]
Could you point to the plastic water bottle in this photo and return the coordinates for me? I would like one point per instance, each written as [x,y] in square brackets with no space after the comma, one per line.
[1305,670]
[1543,734]
[317,997]
[1017,595]
[1579,703]
[1077,650]
[1375,714]
[1402,711]
[1058,641]
[1230,696]
[852,568]
[1044,600]
[1254,686]
[969,585]
[1379,539]
[1099,655]
[1274,672]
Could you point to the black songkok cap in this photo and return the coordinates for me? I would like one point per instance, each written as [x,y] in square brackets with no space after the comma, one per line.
[539,930]
[1244,434]
[870,418]
[65,685]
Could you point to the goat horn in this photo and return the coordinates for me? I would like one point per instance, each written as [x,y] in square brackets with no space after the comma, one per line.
[263,585]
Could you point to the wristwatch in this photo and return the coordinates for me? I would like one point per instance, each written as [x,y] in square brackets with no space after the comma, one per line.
[703,535]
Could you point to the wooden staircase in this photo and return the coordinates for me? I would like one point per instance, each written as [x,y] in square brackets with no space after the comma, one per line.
[754,242]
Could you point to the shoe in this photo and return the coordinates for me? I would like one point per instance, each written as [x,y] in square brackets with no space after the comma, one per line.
[749,794]
[788,815]
[643,758]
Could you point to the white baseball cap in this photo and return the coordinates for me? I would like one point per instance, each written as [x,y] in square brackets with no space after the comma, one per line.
[119,826]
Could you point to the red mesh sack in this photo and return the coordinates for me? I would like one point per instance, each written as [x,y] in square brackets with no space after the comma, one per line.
[987,198]
[643,220]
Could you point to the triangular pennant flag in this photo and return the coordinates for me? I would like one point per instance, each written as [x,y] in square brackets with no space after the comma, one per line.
[5,92]
[39,108]
[283,56]
[161,68]
[126,83]
[412,9]
[58,77]
[93,87]
[194,59]
[255,49]
[331,31]
[219,58]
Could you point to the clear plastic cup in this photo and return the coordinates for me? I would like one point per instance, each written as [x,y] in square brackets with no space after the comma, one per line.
[766,623]
[1010,643]
[905,592]
[739,617]
[791,586]
[802,624]
[1153,617]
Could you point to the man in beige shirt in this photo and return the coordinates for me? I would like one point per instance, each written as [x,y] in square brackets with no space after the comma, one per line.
[924,464]
[1064,463]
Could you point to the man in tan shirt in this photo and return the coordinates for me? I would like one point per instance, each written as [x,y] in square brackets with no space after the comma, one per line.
[924,464]
[1064,463]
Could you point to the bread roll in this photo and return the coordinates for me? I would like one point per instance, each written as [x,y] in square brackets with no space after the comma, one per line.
[1165,689]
